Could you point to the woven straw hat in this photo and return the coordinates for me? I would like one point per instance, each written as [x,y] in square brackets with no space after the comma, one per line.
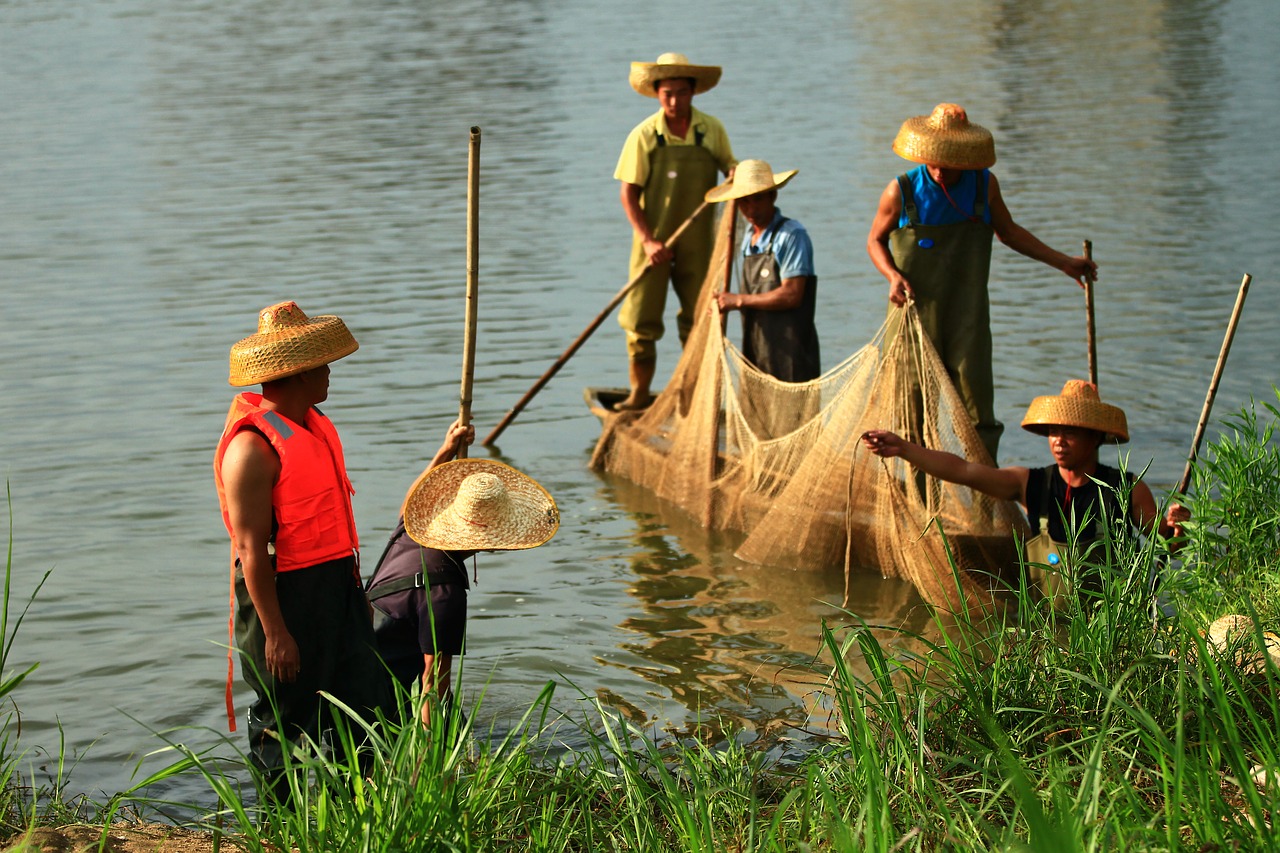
[479,505]
[645,75]
[288,342]
[1077,406]
[946,138]
[749,178]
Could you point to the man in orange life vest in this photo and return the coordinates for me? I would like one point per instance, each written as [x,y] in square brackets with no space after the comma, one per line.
[302,623]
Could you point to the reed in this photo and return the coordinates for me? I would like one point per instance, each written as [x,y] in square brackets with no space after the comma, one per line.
[1108,724]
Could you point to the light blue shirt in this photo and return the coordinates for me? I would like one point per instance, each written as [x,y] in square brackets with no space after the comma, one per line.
[792,248]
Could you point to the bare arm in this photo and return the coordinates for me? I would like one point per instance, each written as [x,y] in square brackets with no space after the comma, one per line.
[1008,484]
[455,438]
[250,469]
[885,222]
[784,297]
[1142,509]
[655,249]
[1024,242]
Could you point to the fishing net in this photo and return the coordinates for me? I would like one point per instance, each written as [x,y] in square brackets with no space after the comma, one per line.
[783,463]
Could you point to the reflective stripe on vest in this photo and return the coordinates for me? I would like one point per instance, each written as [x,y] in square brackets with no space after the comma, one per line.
[311,499]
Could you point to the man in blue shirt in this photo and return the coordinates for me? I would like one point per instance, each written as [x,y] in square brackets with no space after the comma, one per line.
[778,284]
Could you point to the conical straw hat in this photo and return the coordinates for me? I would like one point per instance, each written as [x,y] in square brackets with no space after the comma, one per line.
[1077,406]
[646,75]
[947,139]
[288,342]
[479,505]
[750,177]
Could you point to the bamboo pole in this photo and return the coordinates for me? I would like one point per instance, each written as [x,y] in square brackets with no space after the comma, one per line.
[1185,482]
[1088,307]
[582,338]
[713,462]
[473,282]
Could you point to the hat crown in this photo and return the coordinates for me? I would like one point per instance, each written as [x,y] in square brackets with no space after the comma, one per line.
[282,315]
[1081,389]
[481,496]
[673,59]
[948,117]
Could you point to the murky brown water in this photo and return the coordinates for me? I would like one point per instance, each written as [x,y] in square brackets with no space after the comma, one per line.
[167,169]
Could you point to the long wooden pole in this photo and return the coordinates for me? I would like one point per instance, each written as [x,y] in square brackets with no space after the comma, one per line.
[582,338]
[1088,307]
[473,282]
[1185,482]
[713,462]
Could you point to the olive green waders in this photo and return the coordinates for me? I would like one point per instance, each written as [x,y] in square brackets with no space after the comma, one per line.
[679,176]
[948,267]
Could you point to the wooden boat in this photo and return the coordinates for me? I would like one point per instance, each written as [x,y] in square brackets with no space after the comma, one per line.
[601,400]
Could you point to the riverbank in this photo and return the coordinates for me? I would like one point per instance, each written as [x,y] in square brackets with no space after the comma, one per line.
[1102,725]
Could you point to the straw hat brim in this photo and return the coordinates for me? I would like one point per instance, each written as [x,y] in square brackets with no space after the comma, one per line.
[645,75]
[969,147]
[268,356]
[728,191]
[533,518]
[1057,410]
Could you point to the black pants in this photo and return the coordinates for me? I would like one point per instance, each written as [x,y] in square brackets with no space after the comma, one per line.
[326,612]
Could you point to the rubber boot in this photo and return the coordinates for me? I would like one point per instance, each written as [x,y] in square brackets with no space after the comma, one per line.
[641,373]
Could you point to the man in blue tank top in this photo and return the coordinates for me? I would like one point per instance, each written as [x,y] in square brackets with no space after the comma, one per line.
[931,238]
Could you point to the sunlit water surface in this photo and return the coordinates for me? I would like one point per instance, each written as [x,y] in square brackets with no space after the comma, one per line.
[167,169]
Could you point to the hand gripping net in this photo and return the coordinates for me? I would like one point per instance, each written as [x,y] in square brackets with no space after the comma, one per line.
[783,464]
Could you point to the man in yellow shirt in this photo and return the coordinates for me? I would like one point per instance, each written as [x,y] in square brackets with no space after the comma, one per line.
[668,163]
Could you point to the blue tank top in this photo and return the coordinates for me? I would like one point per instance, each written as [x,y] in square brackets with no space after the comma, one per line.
[932,204]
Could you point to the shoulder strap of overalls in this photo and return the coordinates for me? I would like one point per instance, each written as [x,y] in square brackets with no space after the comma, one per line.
[908,200]
[980,196]
[1038,500]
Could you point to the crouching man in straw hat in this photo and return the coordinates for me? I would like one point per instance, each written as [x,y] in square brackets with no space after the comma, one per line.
[667,163]
[419,589]
[1063,494]
[302,624]
[931,238]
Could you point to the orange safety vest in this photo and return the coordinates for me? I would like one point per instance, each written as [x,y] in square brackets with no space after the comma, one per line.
[311,499]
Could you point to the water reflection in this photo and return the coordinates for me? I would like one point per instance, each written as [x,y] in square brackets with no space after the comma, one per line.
[735,642]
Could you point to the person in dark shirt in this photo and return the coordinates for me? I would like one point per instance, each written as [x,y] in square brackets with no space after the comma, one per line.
[1064,494]
[419,589]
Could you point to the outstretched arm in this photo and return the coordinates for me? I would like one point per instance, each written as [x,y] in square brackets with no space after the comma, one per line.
[1008,484]
[1024,242]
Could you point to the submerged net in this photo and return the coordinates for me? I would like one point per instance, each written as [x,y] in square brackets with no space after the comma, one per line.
[783,463]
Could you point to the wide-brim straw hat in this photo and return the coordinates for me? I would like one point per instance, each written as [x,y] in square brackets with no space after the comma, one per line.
[479,505]
[288,342]
[750,177]
[646,75]
[1077,406]
[946,138]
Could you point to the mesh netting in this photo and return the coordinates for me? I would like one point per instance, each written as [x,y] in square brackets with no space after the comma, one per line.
[783,463]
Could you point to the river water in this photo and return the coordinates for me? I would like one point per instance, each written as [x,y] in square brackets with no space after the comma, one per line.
[167,169]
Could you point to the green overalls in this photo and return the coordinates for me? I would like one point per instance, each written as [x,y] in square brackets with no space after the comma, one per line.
[679,177]
[948,267]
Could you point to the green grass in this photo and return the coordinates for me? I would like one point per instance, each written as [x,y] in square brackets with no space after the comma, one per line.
[1082,729]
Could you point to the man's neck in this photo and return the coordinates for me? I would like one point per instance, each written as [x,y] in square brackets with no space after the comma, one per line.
[1079,475]
[288,406]
[678,127]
